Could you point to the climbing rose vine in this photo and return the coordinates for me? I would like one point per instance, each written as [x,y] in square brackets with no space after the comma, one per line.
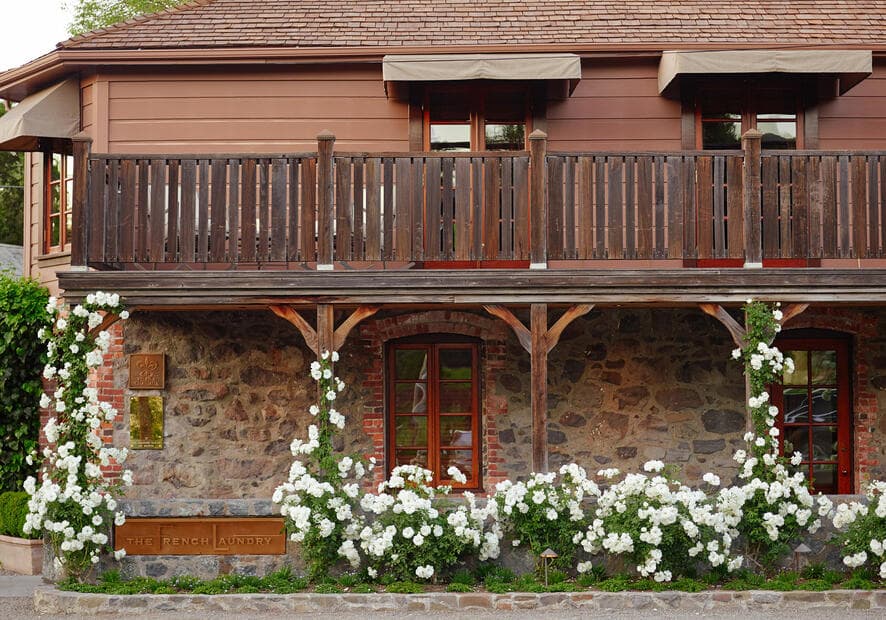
[75,504]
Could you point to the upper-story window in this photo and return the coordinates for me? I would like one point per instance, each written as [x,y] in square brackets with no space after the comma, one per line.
[724,114]
[475,118]
[59,184]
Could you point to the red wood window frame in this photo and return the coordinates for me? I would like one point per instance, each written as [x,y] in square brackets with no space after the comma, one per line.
[58,171]
[816,416]
[430,406]
[748,103]
[478,100]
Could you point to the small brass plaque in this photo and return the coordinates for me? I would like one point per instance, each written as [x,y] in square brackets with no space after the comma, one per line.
[147,371]
[146,423]
[201,536]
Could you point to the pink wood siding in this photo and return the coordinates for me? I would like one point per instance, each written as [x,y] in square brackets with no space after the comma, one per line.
[857,120]
[616,106]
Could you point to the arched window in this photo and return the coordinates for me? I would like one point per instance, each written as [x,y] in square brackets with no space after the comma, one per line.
[815,402]
[433,406]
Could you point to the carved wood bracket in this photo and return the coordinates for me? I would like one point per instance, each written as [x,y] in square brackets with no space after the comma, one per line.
[551,336]
[290,314]
[737,331]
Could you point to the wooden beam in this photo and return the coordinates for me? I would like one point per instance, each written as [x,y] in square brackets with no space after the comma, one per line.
[792,310]
[325,328]
[735,330]
[523,334]
[358,315]
[553,335]
[109,320]
[288,313]
[539,386]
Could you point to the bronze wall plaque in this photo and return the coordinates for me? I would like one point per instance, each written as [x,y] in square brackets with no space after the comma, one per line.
[146,422]
[201,536]
[147,371]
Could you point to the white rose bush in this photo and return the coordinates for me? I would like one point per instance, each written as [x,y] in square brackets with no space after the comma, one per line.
[863,530]
[75,504]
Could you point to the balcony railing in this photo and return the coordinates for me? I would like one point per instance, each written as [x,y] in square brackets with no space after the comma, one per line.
[448,210]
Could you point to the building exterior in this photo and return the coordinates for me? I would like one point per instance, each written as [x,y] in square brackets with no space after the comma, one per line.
[522,226]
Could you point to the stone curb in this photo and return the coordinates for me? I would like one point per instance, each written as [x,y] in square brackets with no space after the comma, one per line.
[52,601]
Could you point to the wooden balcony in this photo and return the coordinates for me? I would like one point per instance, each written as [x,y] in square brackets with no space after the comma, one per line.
[326,210]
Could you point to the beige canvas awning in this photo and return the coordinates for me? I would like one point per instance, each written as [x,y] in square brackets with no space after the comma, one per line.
[446,67]
[50,113]
[849,66]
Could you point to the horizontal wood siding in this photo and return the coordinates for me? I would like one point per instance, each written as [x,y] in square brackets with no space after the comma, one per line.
[87,104]
[856,120]
[252,112]
[615,107]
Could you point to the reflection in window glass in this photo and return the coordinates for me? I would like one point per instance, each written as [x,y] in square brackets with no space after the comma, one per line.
[718,134]
[509,137]
[778,134]
[450,137]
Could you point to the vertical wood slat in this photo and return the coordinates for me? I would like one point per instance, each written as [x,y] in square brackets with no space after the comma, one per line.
[521,208]
[555,207]
[644,208]
[800,208]
[373,209]
[218,210]
[491,207]
[325,199]
[704,199]
[359,251]
[95,248]
[127,211]
[784,205]
[344,209]
[278,209]
[203,213]
[388,197]
[506,165]
[616,209]
[734,206]
[172,213]
[157,213]
[675,208]
[188,210]
[769,181]
[402,223]
[141,236]
[476,208]
[262,254]
[448,206]
[462,208]
[416,180]
[719,192]
[599,207]
[630,221]
[80,207]
[859,206]
[112,212]
[814,196]
[687,176]
[247,234]
[883,204]
[873,217]
[829,206]
[660,247]
[308,243]
[233,218]
[844,207]
[295,207]
[434,225]
[585,248]
[569,207]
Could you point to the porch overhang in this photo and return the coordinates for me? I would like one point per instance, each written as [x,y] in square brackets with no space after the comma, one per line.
[173,290]
[849,67]
[50,114]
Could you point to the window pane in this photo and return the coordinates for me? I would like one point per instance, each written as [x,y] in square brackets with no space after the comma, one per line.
[778,134]
[411,363]
[56,168]
[54,231]
[824,443]
[463,459]
[55,199]
[410,398]
[455,363]
[411,457]
[824,478]
[824,405]
[455,398]
[799,376]
[451,137]
[68,218]
[721,135]
[69,167]
[411,430]
[824,367]
[506,137]
[456,430]
[796,406]
[797,440]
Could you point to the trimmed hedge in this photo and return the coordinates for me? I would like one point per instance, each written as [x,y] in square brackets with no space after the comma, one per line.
[13,510]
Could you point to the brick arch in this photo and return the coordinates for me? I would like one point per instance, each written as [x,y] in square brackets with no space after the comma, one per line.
[861,326]
[375,333]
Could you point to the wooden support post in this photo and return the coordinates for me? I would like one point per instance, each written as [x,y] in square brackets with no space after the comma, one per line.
[752,211]
[538,341]
[79,206]
[325,201]
[325,337]
[325,328]
[538,251]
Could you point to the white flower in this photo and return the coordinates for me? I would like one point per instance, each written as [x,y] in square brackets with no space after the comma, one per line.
[424,572]
[653,466]
[711,479]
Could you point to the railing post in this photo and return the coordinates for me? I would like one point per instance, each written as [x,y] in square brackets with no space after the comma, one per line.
[79,206]
[538,251]
[325,201]
[752,208]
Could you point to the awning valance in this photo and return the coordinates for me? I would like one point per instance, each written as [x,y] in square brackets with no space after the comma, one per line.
[50,113]
[446,67]
[850,66]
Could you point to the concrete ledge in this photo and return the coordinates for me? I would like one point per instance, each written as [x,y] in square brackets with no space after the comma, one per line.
[52,601]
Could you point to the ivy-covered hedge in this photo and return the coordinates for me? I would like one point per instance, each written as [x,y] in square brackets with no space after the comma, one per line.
[22,357]
[13,510]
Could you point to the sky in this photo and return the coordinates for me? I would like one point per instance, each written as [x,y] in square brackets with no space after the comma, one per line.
[30,28]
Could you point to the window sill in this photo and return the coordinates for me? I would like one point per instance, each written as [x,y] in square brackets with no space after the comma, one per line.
[54,256]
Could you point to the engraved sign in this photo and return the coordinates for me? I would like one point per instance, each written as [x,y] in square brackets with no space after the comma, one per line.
[146,422]
[201,536]
[147,371]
